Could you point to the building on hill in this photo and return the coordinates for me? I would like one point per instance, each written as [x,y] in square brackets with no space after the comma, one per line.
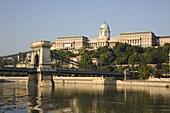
[142,39]
[70,42]
[161,40]
[103,39]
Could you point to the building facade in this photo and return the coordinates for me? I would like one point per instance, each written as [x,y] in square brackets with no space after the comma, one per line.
[161,40]
[70,42]
[103,39]
[142,39]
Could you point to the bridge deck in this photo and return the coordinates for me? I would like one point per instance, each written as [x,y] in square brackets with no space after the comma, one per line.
[78,72]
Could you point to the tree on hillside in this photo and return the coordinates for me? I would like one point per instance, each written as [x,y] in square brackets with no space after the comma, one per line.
[106,58]
[63,53]
[119,47]
[121,58]
[82,50]
[86,59]
[134,59]
[145,71]
[165,52]
[100,51]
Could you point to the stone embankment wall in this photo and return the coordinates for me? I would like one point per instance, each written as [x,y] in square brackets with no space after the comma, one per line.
[71,80]
[144,83]
[155,82]
[79,80]
[15,79]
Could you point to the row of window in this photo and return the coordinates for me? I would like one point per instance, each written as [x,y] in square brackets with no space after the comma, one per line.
[137,37]
[164,40]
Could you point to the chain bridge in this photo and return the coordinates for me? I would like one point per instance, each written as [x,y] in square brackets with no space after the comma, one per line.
[40,69]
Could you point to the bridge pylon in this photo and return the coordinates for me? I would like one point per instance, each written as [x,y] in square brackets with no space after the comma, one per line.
[41,61]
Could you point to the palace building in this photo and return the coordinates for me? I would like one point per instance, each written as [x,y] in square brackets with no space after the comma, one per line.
[142,39]
[70,42]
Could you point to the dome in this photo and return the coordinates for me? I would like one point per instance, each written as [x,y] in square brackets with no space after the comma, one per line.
[104,26]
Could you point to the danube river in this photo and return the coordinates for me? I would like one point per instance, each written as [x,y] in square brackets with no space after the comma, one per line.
[81,98]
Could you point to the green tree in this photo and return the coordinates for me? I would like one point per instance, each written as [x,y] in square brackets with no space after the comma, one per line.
[82,50]
[122,58]
[105,58]
[86,59]
[145,71]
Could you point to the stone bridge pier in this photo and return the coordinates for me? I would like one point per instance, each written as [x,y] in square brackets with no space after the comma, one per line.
[41,61]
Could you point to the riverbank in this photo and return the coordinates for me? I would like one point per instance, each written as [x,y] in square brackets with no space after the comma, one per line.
[14,79]
[144,83]
[154,82]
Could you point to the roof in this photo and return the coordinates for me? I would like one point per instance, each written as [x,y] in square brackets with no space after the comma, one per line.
[104,26]
[163,37]
[136,32]
[63,37]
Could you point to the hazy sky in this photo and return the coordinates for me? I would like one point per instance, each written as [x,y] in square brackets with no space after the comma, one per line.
[25,21]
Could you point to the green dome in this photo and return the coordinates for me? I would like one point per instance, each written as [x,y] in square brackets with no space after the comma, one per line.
[104,26]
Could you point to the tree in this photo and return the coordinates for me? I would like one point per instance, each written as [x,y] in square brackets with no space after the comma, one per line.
[131,60]
[120,47]
[122,58]
[145,71]
[86,59]
[82,50]
[134,59]
[63,53]
[105,58]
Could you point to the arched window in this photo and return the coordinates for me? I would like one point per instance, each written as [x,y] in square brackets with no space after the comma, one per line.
[105,34]
[36,62]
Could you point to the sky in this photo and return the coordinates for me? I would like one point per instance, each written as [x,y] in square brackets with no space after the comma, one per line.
[25,21]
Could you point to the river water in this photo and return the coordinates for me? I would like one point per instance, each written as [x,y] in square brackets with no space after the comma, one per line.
[81,98]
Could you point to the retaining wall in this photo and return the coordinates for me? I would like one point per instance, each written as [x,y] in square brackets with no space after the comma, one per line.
[97,80]
[15,79]
[144,83]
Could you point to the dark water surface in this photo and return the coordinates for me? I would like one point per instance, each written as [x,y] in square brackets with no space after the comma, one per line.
[79,98]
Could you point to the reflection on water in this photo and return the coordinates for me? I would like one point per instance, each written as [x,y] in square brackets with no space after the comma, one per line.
[79,98]
[13,97]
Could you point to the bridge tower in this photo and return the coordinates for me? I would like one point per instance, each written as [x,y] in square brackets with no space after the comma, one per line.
[40,57]
[41,61]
